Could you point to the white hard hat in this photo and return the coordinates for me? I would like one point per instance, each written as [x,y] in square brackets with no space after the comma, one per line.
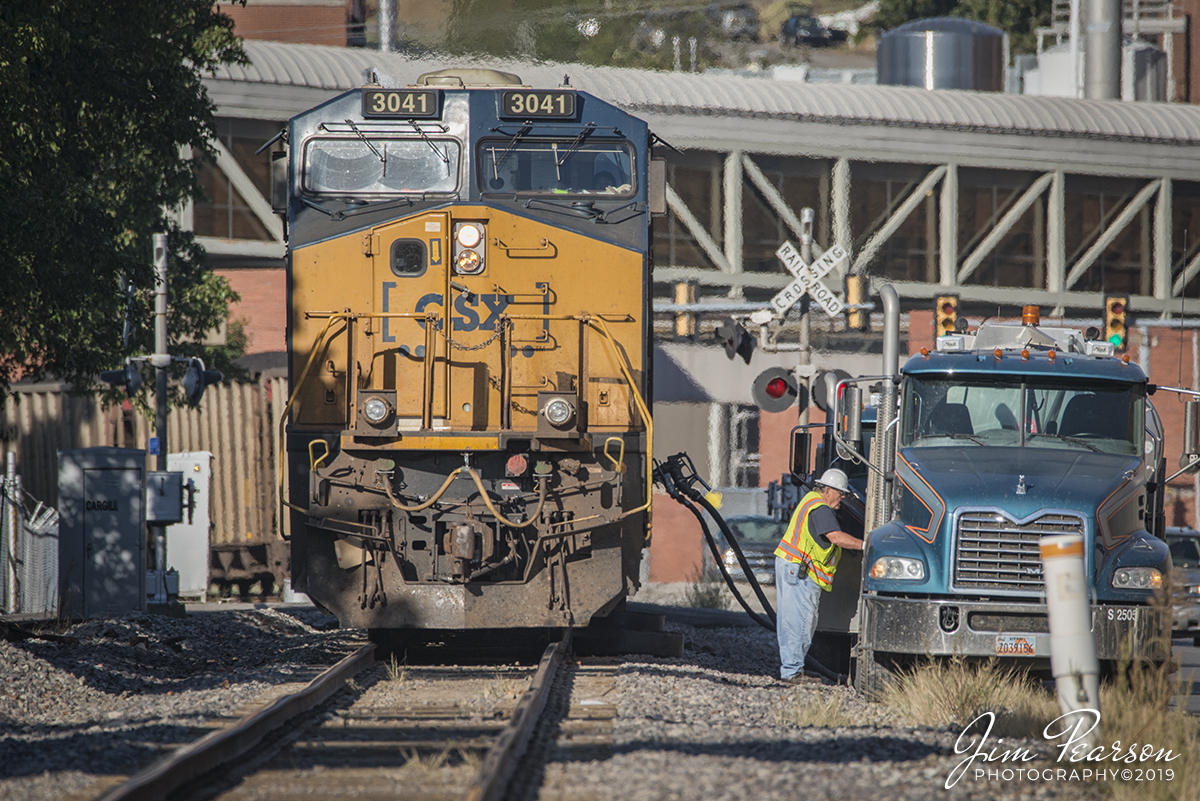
[836,479]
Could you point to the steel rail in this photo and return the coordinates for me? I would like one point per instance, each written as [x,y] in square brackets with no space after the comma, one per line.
[494,775]
[165,776]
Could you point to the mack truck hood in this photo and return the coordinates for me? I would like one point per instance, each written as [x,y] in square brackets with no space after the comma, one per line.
[965,476]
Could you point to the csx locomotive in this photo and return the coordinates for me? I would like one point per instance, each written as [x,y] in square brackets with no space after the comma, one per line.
[468,427]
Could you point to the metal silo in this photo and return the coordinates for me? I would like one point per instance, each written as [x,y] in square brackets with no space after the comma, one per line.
[943,53]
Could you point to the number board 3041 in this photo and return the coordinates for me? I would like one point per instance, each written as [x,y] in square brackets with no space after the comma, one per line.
[400,103]
[537,103]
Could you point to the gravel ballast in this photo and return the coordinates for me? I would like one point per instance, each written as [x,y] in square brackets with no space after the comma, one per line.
[715,724]
[104,698]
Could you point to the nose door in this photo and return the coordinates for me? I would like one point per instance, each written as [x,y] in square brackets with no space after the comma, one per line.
[411,262]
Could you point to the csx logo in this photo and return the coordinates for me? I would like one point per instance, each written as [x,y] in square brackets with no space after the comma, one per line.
[474,312]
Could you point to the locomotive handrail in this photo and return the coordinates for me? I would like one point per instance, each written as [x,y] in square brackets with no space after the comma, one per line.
[592,320]
[595,321]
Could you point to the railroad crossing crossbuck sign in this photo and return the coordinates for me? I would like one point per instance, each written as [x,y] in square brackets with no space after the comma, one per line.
[808,279]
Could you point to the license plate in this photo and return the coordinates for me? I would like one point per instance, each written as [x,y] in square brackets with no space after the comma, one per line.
[1011,645]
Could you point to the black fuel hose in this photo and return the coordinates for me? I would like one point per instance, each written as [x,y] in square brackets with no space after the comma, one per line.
[716,551]
[696,496]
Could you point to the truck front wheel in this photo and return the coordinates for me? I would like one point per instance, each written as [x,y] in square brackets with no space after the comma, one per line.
[873,673]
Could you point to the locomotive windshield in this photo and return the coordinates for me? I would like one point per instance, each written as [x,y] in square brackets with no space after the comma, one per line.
[556,167]
[1099,417]
[380,166]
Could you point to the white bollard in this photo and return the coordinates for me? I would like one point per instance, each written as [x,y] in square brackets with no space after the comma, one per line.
[1072,644]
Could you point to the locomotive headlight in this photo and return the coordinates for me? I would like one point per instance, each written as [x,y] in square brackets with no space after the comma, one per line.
[469,235]
[558,412]
[376,410]
[1137,578]
[468,262]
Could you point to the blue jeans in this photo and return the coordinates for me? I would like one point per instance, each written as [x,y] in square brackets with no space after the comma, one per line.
[797,599]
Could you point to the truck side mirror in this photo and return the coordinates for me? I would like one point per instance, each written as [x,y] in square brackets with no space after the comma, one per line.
[849,419]
[798,457]
[1190,459]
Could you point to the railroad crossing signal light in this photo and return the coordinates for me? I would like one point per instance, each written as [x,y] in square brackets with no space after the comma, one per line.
[775,389]
[736,339]
[1116,307]
[946,311]
[196,379]
[129,375]
[857,289]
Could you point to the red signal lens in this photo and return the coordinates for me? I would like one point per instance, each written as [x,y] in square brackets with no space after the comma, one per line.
[1117,308]
[947,308]
[777,388]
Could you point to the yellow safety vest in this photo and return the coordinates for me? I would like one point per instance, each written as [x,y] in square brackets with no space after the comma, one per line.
[798,544]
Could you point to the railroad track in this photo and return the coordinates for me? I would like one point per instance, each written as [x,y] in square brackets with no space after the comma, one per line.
[414,732]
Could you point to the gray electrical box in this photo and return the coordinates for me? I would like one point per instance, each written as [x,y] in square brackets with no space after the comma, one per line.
[164,497]
[102,532]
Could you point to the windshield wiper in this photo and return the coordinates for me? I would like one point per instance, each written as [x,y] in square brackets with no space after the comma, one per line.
[1075,440]
[517,137]
[575,143]
[382,158]
[954,435]
[581,208]
[443,156]
[342,214]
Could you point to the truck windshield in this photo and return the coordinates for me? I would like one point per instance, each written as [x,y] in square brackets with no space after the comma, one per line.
[380,166]
[552,167]
[1095,416]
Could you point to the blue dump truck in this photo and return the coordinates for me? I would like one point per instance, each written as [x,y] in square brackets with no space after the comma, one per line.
[999,437]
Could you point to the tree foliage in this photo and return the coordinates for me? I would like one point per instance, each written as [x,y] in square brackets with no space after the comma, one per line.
[98,100]
[1019,18]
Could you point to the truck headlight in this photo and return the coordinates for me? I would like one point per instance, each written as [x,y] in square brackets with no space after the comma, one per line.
[898,567]
[1137,578]
[729,558]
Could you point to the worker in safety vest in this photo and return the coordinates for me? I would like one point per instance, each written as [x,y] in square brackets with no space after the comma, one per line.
[805,563]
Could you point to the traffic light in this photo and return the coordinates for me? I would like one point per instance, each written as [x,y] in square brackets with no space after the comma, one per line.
[196,379]
[776,389]
[129,375]
[858,287]
[946,311]
[1116,307]
[736,339]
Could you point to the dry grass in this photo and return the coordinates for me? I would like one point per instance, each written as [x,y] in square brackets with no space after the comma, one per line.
[954,692]
[707,590]
[826,709]
[1147,706]
[1143,707]
[397,671]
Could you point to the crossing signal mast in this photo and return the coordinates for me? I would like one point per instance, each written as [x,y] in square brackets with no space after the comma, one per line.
[1116,330]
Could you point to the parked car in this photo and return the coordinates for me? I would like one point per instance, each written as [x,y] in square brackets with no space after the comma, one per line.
[803,28]
[1185,563]
[758,536]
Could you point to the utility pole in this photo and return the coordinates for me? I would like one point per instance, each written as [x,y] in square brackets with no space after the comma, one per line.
[161,360]
[805,356]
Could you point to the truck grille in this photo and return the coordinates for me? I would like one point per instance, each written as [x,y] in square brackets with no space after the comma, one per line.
[994,553]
